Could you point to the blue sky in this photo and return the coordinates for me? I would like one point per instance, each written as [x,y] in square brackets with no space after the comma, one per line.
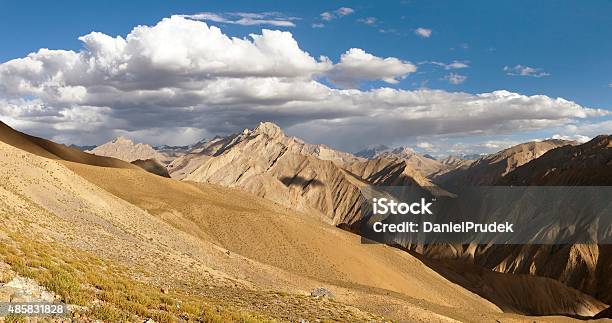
[563,48]
[571,40]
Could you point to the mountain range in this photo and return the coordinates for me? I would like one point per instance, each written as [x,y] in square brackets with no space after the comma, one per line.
[253,221]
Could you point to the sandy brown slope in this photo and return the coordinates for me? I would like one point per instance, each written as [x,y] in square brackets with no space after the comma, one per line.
[226,245]
[359,274]
[520,293]
[295,245]
[586,267]
[285,251]
[49,149]
[44,198]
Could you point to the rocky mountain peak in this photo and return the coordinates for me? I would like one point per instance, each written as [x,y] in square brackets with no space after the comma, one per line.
[270,129]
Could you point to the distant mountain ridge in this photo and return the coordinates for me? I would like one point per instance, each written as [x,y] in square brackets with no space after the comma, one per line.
[425,164]
[489,169]
[125,149]
[586,164]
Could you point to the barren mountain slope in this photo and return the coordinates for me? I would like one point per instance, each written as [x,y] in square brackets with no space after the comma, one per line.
[49,149]
[489,169]
[287,171]
[392,172]
[586,267]
[192,226]
[516,292]
[226,245]
[199,154]
[423,165]
[125,149]
[587,164]
[582,266]
[456,162]
[301,245]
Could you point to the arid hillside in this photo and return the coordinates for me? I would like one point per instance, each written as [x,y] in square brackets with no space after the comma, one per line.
[231,255]
[205,244]
[587,267]
[49,149]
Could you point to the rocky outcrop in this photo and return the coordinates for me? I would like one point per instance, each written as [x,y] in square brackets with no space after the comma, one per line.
[21,289]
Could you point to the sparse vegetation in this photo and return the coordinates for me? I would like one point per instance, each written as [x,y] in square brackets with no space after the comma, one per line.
[5,277]
[103,288]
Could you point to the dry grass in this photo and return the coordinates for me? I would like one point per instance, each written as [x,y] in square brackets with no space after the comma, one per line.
[6,277]
[109,294]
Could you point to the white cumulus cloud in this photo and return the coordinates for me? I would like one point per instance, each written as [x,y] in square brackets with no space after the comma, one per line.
[356,65]
[180,79]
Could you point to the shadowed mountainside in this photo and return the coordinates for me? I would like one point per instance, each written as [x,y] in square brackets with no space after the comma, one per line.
[152,166]
[586,267]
